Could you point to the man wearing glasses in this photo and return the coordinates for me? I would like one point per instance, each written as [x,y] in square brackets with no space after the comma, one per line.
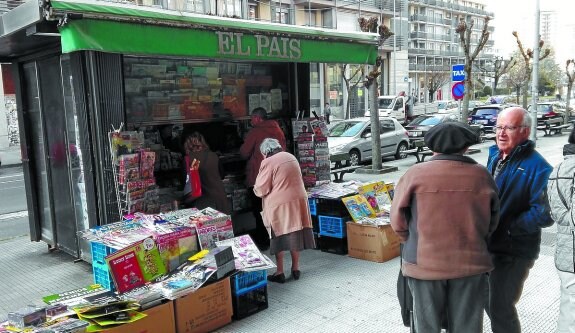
[521,175]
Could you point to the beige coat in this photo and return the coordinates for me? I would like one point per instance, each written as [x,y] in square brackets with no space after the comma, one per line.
[284,200]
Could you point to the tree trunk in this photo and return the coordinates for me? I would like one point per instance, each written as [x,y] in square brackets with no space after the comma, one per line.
[467,95]
[525,90]
[375,129]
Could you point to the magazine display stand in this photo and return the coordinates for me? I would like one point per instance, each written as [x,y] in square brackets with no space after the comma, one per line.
[312,151]
[133,170]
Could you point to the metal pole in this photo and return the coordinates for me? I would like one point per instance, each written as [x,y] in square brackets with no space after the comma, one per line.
[394,52]
[535,76]
[375,128]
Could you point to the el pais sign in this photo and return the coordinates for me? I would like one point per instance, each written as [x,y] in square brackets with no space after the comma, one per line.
[260,46]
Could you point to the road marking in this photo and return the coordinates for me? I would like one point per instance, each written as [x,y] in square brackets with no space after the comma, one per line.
[14,215]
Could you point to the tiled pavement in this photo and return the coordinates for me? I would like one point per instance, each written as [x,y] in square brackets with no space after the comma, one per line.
[334,294]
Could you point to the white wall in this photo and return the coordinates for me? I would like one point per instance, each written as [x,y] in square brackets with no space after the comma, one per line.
[398,72]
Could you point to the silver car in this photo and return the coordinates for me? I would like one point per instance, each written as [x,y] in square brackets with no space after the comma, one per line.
[353,136]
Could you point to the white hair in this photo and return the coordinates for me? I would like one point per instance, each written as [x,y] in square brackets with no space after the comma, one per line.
[269,145]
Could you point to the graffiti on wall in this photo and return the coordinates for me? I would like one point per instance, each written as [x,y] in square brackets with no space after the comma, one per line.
[12,120]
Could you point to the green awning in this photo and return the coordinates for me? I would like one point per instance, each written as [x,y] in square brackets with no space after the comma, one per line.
[109,27]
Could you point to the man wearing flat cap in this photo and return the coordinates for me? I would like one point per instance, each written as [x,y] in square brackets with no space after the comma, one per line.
[443,211]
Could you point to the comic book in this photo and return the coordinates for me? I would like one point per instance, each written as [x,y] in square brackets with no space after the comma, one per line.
[358,207]
[176,247]
[135,265]
[390,188]
[376,195]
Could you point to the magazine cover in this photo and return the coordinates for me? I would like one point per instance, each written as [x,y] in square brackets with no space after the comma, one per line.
[136,264]
[207,235]
[177,246]
[358,207]
[389,188]
[376,194]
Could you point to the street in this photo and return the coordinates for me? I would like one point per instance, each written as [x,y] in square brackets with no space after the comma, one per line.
[13,209]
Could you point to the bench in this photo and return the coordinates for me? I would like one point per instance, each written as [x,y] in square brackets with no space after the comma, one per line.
[550,130]
[339,172]
[420,151]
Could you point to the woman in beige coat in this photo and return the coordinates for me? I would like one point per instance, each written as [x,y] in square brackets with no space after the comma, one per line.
[285,206]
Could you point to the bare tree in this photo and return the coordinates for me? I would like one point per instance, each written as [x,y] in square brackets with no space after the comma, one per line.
[527,56]
[437,78]
[496,68]
[570,72]
[464,30]
[370,82]
[351,82]
[516,78]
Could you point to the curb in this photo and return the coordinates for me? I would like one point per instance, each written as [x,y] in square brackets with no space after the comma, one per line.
[7,166]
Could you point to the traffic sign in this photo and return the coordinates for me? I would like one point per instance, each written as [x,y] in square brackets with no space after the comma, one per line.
[458,72]
[458,91]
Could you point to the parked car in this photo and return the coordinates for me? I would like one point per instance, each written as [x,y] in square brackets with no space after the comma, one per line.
[486,116]
[353,136]
[549,113]
[419,126]
[447,106]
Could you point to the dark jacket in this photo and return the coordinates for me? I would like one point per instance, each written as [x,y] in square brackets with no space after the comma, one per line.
[525,208]
[561,181]
[213,192]
[250,149]
[444,210]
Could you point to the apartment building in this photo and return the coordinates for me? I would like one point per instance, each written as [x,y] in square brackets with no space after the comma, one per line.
[434,45]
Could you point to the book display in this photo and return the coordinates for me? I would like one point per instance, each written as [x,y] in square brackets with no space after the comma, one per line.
[312,151]
[168,90]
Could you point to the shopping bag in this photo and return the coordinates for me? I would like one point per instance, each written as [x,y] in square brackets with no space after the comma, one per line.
[193,187]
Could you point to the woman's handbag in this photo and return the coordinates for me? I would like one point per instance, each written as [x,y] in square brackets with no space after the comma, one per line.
[193,187]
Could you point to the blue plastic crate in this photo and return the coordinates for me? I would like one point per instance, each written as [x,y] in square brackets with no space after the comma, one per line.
[99,252]
[246,281]
[312,206]
[331,226]
[99,267]
[102,276]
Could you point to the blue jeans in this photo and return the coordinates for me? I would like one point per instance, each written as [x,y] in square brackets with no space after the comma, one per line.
[505,288]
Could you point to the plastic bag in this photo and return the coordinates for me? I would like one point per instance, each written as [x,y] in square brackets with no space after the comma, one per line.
[193,188]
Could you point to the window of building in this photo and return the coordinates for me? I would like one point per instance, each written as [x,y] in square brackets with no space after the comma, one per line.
[310,17]
[227,7]
[253,11]
[281,14]
[327,18]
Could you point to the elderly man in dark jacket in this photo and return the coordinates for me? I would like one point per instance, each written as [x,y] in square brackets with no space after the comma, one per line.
[521,175]
[444,211]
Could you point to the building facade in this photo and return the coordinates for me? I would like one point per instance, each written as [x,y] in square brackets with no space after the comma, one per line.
[434,45]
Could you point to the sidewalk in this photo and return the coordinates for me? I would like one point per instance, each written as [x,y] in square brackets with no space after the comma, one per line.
[10,157]
[334,294]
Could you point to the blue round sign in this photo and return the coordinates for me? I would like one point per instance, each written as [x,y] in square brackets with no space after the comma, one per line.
[458,90]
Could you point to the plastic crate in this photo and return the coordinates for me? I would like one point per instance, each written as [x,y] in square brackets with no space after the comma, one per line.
[246,281]
[99,267]
[333,245]
[99,252]
[331,207]
[102,276]
[312,207]
[331,226]
[315,224]
[252,300]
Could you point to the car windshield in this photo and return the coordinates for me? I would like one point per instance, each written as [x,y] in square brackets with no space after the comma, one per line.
[544,108]
[486,112]
[441,105]
[346,129]
[385,103]
[426,121]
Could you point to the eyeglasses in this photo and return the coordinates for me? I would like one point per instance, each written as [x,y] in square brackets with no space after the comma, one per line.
[509,129]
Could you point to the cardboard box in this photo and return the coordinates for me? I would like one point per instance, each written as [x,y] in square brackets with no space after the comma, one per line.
[206,309]
[160,319]
[373,243]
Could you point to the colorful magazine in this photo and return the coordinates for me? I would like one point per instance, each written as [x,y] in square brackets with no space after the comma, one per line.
[136,264]
[358,207]
[376,194]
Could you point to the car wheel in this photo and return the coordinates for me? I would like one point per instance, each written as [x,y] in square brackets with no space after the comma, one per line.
[401,148]
[354,157]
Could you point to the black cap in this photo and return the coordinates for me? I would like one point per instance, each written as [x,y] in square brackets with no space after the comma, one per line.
[451,137]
